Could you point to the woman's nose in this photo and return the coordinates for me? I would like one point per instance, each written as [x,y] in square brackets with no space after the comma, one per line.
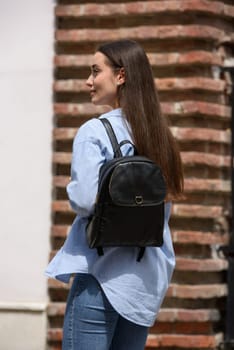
[89,81]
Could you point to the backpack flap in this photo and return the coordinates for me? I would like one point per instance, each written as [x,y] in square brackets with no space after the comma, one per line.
[130,205]
[136,181]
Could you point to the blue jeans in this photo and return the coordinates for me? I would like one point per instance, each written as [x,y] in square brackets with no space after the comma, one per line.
[91,323]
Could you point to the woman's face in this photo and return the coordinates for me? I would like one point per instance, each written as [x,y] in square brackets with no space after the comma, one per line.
[103,82]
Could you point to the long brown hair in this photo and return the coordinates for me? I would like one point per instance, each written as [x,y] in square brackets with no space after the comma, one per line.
[138,98]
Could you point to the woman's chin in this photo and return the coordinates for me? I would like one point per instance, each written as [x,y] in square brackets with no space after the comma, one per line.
[97,102]
[94,101]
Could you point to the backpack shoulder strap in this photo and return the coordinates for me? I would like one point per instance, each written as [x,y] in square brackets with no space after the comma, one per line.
[112,137]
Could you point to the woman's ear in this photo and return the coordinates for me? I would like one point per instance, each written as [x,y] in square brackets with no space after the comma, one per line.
[121,77]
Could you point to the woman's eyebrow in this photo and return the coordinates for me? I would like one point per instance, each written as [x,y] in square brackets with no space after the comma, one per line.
[94,66]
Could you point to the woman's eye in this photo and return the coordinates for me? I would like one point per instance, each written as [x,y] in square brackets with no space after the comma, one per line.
[95,72]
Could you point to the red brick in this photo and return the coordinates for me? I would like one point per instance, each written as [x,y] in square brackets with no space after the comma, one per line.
[204,32]
[60,230]
[201,134]
[229,10]
[55,334]
[198,83]
[186,264]
[156,59]
[64,133]
[196,211]
[55,284]
[145,8]
[185,328]
[56,309]
[54,346]
[184,58]
[212,160]
[73,60]
[138,7]
[70,85]
[61,206]
[199,237]
[62,158]
[201,57]
[75,109]
[207,185]
[61,181]
[197,291]
[189,108]
[187,315]
[184,341]
[203,6]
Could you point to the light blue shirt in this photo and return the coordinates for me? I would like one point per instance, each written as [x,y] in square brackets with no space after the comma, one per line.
[135,289]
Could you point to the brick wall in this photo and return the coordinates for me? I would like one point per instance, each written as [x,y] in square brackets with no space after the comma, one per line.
[182,39]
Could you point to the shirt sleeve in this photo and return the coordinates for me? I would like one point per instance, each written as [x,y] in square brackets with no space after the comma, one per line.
[87,158]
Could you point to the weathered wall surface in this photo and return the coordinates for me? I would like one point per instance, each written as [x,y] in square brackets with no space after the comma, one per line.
[26,73]
[182,40]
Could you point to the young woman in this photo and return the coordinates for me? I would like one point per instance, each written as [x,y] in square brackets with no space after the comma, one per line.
[114,299]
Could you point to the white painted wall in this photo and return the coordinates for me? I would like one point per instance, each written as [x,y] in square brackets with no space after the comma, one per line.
[26,73]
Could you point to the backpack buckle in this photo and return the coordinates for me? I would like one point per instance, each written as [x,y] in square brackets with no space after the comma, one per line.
[138,200]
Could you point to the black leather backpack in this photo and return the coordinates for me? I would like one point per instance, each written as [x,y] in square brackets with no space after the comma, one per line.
[129,209]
